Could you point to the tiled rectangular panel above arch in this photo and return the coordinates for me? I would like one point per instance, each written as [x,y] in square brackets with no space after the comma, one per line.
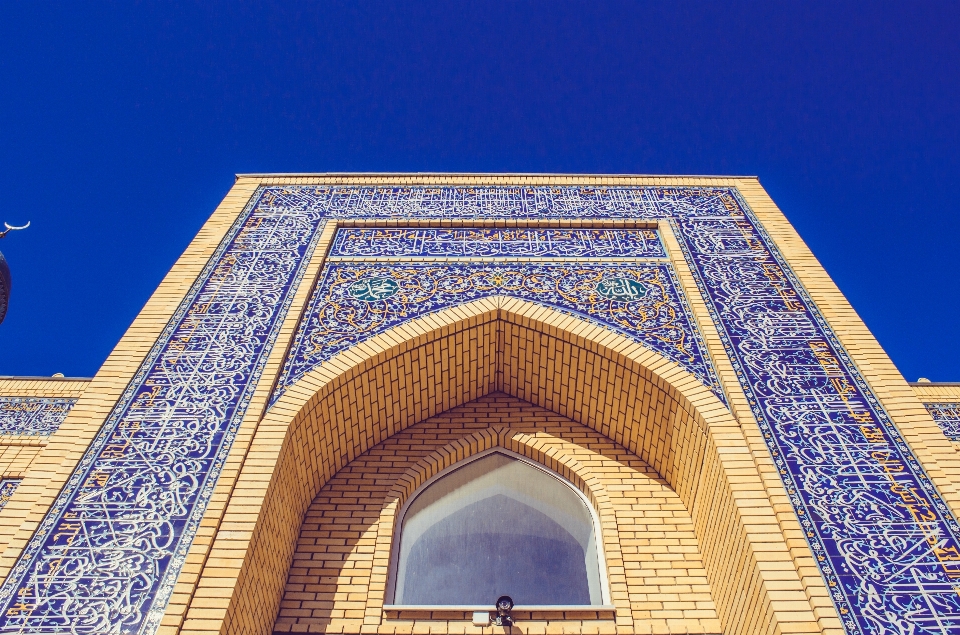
[884,539]
[490,242]
[357,300]
[617,278]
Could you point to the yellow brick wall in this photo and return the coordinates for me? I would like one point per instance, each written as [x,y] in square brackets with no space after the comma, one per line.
[657,579]
[933,393]
[42,387]
[16,456]
[602,381]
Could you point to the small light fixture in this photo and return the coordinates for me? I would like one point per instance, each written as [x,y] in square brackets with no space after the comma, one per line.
[504,606]
[481,618]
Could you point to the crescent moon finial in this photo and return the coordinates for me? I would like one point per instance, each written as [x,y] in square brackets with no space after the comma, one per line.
[10,228]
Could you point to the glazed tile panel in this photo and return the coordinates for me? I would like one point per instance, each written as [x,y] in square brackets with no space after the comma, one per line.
[646,203]
[7,487]
[498,242]
[33,416]
[947,416]
[883,538]
[106,556]
[355,301]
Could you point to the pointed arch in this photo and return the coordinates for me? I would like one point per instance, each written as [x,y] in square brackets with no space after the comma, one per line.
[517,442]
[591,375]
[453,548]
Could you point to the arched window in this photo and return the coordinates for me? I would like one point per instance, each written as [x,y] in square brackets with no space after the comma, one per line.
[497,524]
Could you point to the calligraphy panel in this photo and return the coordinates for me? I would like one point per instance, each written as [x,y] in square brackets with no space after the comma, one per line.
[947,416]
[490,242]
[33,416]
[107,554]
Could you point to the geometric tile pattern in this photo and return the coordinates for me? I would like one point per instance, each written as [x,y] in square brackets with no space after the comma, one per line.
[7,487]
[947,416]
[106,556]
[498,242]
[356,300]
[33,416]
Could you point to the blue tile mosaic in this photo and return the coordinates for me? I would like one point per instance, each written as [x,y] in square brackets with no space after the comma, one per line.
[947,416]
[885,541]
[106,556]
[7,487]
[355,301]
[488,242]
[33,416]
[530,202]
[883,538]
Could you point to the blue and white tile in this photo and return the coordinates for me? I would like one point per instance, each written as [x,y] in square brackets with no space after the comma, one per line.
[33,416]
[356,301]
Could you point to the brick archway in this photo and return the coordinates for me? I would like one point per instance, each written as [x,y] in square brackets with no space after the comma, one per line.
[591,375]
[653,575]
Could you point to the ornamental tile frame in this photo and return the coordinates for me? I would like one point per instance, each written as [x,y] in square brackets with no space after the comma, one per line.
[650,306]
[113,529]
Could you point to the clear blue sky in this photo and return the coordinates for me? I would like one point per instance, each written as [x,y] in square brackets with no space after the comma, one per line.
[122,125]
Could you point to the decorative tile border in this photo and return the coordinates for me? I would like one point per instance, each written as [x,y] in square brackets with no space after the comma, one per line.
[33,416]
[490,242]
[885,541]
[108,553]
[947,416]
[355,301]
[527,202]
[7,487]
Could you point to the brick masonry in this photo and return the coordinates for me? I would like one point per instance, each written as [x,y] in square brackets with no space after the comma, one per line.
[591,388]
[652,554]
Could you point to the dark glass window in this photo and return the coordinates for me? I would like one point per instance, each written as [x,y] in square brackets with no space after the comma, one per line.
[496,526]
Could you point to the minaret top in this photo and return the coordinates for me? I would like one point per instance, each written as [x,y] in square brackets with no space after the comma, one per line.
[5,271]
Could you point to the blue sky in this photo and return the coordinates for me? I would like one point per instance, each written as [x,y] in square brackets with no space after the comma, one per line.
[122,125]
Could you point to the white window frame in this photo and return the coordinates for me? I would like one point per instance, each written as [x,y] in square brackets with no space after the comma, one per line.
[605,604]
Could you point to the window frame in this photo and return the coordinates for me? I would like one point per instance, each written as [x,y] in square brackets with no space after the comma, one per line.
[389,595]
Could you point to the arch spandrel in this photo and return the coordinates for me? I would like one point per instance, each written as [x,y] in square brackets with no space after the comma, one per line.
[347,307]
[634,396]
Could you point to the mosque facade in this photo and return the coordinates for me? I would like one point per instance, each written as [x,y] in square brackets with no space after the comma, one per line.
[475,404]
